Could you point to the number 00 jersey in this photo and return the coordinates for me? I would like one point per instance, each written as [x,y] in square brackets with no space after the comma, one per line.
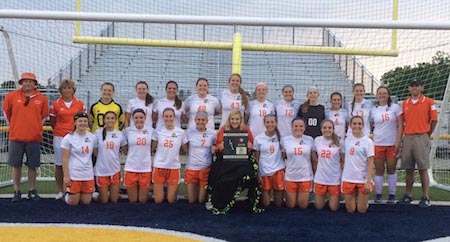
[99,109]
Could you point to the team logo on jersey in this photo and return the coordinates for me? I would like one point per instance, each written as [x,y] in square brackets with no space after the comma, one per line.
[87,140]
[357,143]
[264,105]
[114,135]
[205,101]
[174,135]
[145,131]
[301,142]
[274,140]
[205,135]
[238,98]
[363,106]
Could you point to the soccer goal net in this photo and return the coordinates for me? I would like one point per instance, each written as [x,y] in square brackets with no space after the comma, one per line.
[279,43]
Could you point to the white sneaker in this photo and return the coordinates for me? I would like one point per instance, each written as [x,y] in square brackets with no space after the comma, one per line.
[59,196]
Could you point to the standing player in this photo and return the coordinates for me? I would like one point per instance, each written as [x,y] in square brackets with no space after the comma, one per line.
[107,167]
[144,101]
[138,166]
[167,141]
[171,101]
[301,162]
[202,102]
[77,149]
[420,118]
[271,165]
[201,147]
[360,107]
[387,123]
[327,178]
[358,168]
[338,115]
[286,110]
[61,120]
[234,98]
[258,109]
[106,103]
[312,112]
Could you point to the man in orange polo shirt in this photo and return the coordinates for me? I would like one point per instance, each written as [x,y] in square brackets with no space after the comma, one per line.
[25,110]
[420,118]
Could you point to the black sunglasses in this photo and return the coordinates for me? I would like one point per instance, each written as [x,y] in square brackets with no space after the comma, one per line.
[27,101]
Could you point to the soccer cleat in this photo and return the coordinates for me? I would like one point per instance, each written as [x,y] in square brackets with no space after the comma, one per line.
[391,199]
[405,200]
[17,196]
[424,202]
[33,195]
[59,196]
[378,198]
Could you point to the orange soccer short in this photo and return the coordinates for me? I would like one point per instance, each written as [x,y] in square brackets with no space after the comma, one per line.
[137,179]
[333,190]
[162,175]
[349,188]
[106,181]
[80,187]
[295,187]
[274,182]
[385,152]
[199,177]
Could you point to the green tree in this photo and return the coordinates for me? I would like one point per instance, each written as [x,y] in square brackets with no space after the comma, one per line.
[8,84]
[434,76]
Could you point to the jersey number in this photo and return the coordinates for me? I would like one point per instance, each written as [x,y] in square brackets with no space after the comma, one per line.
[203,142]
[272,149]
[110,145]
[312,122]
[84,150]
[289,113]
[385,117]
[298,151]
[141,141]
[325,154]
[262,112]
[201,108]
[168,143]
[235,105]
[352,151]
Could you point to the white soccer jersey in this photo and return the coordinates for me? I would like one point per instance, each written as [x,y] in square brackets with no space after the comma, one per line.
[257,110]
[80,155]
[108,162]
[298,163]
[361,109]
[136,103]
[339,118]
[329,170]
[385,124]
[139,141]
[357,150]
[286,112]
[270,160]
[196,104]
[230,102]
[168,150]
[200,144]
[162,104]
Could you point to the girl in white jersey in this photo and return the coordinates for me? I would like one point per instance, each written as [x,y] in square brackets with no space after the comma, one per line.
[77,149]
[358,168]
[138,166]
[234,98]
[167,141]
[201,147]
[258,109]
[301,162]
[387,121]
[286,110]
[327,179]
[144,101]
[360,107]
[202,102]
[338,115]
[171,101]
[271,165]
[107,167]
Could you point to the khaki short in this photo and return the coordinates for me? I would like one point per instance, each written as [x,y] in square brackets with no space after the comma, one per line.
[416,150]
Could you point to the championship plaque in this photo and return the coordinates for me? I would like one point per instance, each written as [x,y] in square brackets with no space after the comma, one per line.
[235,145]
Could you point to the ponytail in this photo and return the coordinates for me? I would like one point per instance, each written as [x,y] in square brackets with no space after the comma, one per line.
[244,96]
[277,132]
[305,106]
[148,99]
